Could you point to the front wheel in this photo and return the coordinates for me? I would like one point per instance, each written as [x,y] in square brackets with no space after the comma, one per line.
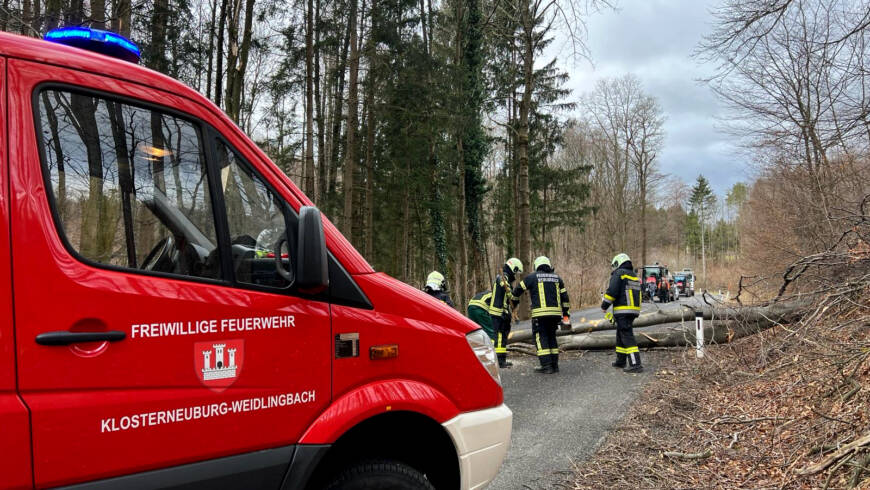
[377,475]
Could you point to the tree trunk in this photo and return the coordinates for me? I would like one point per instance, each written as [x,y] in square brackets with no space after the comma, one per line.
[370,173]
[703,251]
[159,18]
[352,107]
[462,276]
[308,170]
[26,17]
[525,240]
[211,31]
[320,190]
[57,146]
[36,23]
[404,231]
[748,314]
[370,142]
[98,13]
[121,17]
[125,180]
[462,266]
[237,59]
[53,13]
[219,71]
[329,138]
[643,221]
[423,24]
[338,98]
[715,332]
[4,16]
[234,16]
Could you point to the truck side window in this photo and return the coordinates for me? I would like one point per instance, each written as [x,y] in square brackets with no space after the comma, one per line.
[128,184]
[256,221]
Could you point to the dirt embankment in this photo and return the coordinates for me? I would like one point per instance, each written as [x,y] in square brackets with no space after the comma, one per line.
[787,408]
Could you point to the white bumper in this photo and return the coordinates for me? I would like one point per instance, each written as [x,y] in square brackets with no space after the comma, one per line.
[482,439]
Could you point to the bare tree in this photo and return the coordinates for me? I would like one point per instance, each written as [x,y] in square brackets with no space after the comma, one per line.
[794,74]
[647,121]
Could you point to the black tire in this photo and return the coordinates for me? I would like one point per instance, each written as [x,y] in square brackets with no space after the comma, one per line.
[380,475]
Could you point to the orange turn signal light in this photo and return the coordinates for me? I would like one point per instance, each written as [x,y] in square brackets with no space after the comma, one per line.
[379,352]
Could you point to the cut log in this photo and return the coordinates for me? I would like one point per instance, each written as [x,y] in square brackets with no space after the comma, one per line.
[777,312]
[523,331]
[672,335]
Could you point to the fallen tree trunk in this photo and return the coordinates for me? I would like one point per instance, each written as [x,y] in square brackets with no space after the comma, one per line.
[775,312]
[523,332]
[715,332]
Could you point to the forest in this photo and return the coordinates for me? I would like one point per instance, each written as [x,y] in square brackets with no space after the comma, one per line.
[441,135]
[438,135]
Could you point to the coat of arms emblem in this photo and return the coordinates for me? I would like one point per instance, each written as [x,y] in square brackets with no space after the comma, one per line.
[218,364]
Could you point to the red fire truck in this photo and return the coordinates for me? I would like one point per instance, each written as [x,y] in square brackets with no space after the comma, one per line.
[176,312]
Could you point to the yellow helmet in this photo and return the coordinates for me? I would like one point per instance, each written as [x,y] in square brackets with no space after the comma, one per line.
[618,260]
[514,265]
[435,280]
[542,260]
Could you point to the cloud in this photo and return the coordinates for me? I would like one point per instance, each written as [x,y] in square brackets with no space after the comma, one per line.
[654,39]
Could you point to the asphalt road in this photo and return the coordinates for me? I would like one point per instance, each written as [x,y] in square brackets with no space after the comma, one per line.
[560,419]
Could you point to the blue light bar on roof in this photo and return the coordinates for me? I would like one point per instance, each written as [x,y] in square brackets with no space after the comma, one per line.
[103,42]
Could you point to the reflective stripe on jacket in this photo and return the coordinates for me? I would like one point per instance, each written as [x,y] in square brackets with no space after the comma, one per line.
[499,302]
[623,293]
[481,300]
[547,294]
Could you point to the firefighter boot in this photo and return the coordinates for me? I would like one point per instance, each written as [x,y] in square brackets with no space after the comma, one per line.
[634,365]
[619,362]
[546,366]
[503,362]
[554,361]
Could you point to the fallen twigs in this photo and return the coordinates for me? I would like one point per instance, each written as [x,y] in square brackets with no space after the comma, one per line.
[836,456]
[728,419]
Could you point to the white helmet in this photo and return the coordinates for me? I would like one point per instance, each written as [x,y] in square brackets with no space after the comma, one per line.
[542,260]
[618,260]
[435,281]
[514,265]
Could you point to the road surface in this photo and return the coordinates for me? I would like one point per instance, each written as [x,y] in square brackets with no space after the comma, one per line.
[561,418]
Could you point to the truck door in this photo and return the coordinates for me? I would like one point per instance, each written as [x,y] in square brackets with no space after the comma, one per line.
[15,463]
[152,328]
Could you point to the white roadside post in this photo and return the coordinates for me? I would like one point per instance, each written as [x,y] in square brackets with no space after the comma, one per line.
[699,333]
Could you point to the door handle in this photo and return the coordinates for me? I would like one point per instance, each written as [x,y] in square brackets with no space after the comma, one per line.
[64,337]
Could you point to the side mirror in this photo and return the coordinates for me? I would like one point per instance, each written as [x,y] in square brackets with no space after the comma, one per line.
[312,271]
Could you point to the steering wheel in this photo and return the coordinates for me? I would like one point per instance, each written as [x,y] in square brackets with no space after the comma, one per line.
[158,254]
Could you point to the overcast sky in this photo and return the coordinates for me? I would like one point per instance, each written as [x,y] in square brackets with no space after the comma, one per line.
[654,40]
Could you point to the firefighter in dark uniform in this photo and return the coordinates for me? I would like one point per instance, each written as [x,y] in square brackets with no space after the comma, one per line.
[436,287]
[500,307]
[625,296]
[478,312]
[550,304]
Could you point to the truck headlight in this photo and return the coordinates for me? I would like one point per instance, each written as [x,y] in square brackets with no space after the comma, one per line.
[482,346]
